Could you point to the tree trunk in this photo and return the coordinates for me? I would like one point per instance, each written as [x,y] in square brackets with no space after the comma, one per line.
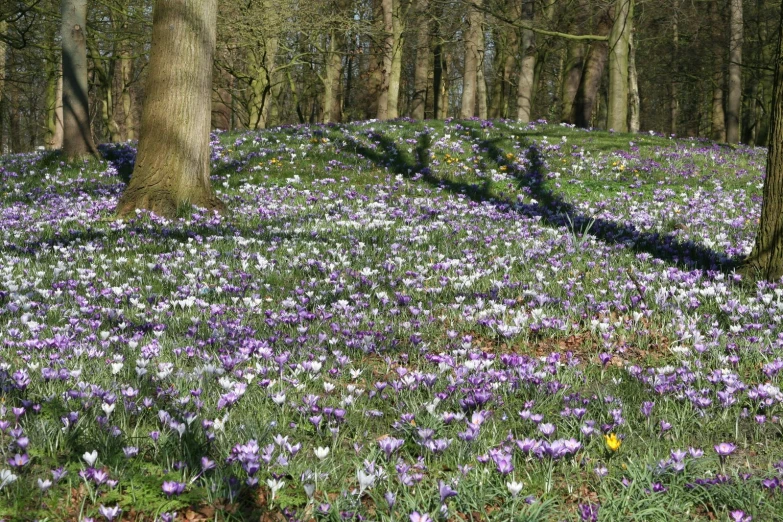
[527,66]
[718,131]
[172,165]
[575,54]
[674,102]
[77,135]
[421,70]
[481,81]
[734,100]
[619,38]
[387,12]
[766,259]
[398,28]
[437,69]
[333,80]
[126,73]
[587,94]
[633,89]
[470,74]
[3,50]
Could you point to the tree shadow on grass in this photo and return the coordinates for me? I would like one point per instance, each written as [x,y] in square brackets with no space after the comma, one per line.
[549,207]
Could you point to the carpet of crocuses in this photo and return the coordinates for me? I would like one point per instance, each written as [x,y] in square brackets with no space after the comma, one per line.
[397,321]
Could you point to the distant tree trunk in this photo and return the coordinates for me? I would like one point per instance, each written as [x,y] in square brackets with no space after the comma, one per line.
[437,66]
[527,66]
[674,102]
[77,135]
[387,12]
[718,131]
[422,68]
[3,50]
[126,73]
[472,58]
[619,40]
[595,62]
[734,100]
[172,164]
[633,90]
[766,259]
[503,68]
[53,138]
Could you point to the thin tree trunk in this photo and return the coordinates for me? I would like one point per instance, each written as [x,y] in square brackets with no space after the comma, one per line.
[172,165]
[3,50]
[437,68]
[718,131]
[575,53]
[421,70]
[619,39]
[77,135]
[633,89]
[126,73]
[734,100]
[595,62]
[470,74]
[766,259]
[674,102]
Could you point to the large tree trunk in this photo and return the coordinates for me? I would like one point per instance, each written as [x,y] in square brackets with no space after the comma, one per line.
[172,165]
[422,68]
[77,135]
[619,39]
[472,58]
[387,13]
[634,111]
[766,259]
[587,94]
[398,28]
[481,81]
[575,53]
[734,100]
[527,66]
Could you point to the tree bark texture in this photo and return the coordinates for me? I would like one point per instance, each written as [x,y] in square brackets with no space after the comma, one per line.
[398,30]
[387,14]
[619,40]
[527,67]
[470,73]
[422,67]
[172,164]
[734,99]
[634,109]
[674,102]
[766,259]
[481,81]
[3,50]
[595,62]
[77,135]
[718,130]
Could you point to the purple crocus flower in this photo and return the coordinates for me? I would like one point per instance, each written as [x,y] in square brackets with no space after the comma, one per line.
[420,517]
[445,491]
[724,449]
[109,513]
[171,487]
[739,516]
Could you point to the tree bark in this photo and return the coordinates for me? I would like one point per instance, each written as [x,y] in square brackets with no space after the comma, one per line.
[766,259]
[734,99]
[481,81]
[333,110]
[3,50]
[619,39]
[77,135]
[595,62]
[674,102]
[634,111]
[172,165]
[472,58]
[527,66]
[421,70]
[718,131]
[398,28]
[387,13]
[575,53]
[126,73]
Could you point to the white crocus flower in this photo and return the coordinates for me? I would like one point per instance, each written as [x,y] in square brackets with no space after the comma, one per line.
[90,457]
